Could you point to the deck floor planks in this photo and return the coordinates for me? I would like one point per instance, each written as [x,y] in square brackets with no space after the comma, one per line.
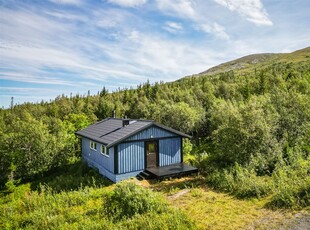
[171,170]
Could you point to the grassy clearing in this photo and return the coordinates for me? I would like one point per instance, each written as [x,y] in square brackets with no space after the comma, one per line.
[213,210]
[185,203]
[82,199]
[121,206]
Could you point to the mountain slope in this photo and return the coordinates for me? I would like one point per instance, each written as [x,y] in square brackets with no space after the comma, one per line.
[259,60]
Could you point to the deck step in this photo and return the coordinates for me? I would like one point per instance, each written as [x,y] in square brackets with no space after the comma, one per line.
[143,176]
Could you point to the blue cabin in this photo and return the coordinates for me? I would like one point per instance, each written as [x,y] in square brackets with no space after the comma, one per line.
[124,148]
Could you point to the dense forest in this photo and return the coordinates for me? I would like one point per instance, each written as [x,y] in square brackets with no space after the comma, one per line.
[250,128]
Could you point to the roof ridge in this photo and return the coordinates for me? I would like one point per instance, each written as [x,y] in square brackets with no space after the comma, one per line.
[131,119]
[99,122]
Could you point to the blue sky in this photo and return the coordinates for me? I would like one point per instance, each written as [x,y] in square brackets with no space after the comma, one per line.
[49,48]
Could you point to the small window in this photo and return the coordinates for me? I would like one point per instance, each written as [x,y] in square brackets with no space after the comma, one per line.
[104,150]
[152,147]
[93,145]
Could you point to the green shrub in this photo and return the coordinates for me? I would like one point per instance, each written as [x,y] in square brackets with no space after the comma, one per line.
[220,180]
[128,199]
[292,182]
[248,184]
[199,160]
[130,206]
[240,181]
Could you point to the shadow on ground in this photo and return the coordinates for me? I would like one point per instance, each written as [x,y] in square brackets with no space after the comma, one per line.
[69,178]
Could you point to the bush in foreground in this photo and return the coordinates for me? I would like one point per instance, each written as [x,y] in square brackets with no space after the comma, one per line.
[128,199]
[134,207]
[292,182]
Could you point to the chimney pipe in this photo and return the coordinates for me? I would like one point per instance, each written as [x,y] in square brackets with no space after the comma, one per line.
[125,122]
[114,113]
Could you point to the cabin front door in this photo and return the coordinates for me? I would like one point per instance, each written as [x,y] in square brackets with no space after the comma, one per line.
[151,151]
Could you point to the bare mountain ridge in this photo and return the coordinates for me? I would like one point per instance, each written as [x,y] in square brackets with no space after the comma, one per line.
[259,60]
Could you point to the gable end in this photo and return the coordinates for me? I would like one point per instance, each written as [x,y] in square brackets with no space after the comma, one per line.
[150,133]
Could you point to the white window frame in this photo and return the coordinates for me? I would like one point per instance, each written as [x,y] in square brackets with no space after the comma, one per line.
[105,151]
[93,145]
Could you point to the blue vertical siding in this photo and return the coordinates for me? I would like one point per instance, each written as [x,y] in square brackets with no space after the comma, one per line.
[95,159]
[169,151]
[152,132]
[130,157]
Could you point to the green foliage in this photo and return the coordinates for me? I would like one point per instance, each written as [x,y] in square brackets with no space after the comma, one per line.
[288,185]
[134,207]
[240,181]
[35,146]
[29,146]
[244,130]
[71,177]
[188,119]
[83,208]
[128,199]
[187,146]
[49,210]
[292,181]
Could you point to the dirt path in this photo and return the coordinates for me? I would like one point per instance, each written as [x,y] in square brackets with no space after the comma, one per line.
[302,222]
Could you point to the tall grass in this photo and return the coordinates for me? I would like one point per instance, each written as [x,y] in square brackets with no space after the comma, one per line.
[95,206]
[49,210]
[292,182]
[288,185]
[71,177]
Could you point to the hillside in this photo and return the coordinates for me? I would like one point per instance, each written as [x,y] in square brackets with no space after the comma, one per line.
[251,143]
[253,61]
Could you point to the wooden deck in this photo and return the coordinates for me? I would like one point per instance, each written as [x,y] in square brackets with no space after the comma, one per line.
[171,170]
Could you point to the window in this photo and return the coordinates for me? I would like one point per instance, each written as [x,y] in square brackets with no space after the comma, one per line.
[93,145]
[104,150]
[151,147]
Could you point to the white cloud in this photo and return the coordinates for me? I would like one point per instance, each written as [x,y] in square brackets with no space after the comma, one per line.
[168,59]
[188,9]
[173,27]
[215,29]
[31,78]
[182,8]
[66,16]
[67,2]
[252,10]
[128,3]
[110,18]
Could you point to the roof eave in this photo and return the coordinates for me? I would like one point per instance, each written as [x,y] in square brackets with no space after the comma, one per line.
[172,130]
[92,139]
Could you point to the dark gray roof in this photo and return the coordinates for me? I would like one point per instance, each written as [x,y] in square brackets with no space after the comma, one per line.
[111,131]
